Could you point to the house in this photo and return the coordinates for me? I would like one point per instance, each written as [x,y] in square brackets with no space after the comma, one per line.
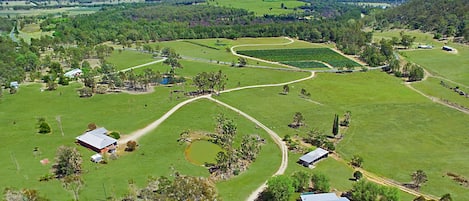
[97,140]
[73,73]
[322,197]
[97,158]
[447,48]
[14,85]
[313,156]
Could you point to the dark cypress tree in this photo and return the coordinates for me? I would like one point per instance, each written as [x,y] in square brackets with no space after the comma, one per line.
[335,126]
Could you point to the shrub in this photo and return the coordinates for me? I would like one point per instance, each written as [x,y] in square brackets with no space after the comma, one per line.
[44,128]
[131,146]
[115,135]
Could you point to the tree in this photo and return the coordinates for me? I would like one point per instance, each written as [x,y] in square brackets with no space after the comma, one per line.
[286,89]
[416,73]
[242,61]
[406,40]
[67,162]
[22,195]
[301,180]
[419,177]
[335,125]
[44,127]
[357,175]
[297,120]
[320,182]
[419,198]
[250,147]
[73,183]
[131,146]
[280,188]
[367,191]
[305,93]
[357,161]
[446,197]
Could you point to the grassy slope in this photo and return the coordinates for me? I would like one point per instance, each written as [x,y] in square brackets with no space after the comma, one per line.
[451,66]
[262,7]
[127,59]
[429,135]
[124,113]
[432,87]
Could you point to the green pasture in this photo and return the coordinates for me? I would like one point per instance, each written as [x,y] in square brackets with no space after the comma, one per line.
[18,118]
[127,59]
[432,87]
[303,54]
[262,7]
[197,50]
[420,37]
[452,66]
[200,152]
[431,137]
[237,77]
[36,12]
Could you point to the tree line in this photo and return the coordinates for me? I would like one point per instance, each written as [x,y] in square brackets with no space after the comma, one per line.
[448,18]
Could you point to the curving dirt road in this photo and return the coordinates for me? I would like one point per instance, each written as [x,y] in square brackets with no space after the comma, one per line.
[262,60]
[283,147]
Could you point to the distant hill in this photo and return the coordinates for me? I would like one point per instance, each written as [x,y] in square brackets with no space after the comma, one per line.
[446,17]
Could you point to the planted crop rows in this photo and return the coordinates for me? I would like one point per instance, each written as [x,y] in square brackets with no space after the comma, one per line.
[300,56]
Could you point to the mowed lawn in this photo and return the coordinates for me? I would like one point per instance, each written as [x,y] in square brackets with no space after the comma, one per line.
[394,129]
[129,58]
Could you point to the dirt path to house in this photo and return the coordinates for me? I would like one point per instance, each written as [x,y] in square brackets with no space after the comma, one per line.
[385,181]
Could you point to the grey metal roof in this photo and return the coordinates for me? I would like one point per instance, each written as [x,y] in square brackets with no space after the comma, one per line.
[322,197]
[313,155]
[97,138]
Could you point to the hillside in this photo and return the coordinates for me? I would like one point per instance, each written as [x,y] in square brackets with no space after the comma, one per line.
[446,17]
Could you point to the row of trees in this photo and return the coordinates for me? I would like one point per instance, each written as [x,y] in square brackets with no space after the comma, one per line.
[280,188]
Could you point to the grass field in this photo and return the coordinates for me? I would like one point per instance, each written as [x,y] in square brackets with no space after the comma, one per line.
[201,151]
[269,7]
[449,65]
[301,55]
[127,59]
[431,137]
[35,12]
[432,87]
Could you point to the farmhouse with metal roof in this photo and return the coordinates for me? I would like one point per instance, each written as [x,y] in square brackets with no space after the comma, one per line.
[97,140]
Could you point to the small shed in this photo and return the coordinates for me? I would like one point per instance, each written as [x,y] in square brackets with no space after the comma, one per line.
[73,73]
[322,197]
[97,158]
[14,85]
[425,47]
[312,157]
[447,48]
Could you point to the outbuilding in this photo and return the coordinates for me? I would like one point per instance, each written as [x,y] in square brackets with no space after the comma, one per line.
[97,140]
[73,73]
[312,157]
[97,158]
[14,85]
[322,197]
[447,48]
